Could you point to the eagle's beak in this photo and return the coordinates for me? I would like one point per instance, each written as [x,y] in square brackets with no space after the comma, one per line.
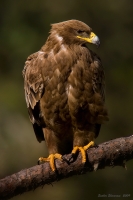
[94,39]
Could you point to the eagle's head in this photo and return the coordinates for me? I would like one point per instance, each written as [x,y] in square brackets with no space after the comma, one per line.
[74,32]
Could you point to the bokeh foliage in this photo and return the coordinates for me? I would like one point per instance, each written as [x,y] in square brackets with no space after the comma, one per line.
[24,28]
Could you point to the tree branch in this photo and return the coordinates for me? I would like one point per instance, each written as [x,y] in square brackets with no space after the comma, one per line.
[112,153]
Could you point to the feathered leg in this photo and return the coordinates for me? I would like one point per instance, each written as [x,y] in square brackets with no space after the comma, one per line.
[53,146]
[82,141]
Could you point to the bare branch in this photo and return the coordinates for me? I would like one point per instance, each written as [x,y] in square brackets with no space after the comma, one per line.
[112,153]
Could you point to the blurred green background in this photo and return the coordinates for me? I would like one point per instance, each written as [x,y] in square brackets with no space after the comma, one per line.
[24,28]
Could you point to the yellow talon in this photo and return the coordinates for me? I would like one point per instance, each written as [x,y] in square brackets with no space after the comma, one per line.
[82,150]
[50,159]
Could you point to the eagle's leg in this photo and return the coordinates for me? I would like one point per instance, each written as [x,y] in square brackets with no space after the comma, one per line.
[82,150]
[51,160]
[53,144]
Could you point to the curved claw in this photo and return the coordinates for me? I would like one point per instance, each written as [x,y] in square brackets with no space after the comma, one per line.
[82,150]
[51,160]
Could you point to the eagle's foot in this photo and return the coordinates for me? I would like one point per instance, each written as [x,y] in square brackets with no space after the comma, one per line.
[50,159]
[82,150]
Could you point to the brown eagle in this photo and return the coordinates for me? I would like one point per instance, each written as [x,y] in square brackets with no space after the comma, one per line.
[64,87]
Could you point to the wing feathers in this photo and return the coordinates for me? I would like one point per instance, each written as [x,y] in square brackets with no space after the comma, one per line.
[33,81]
[34,89]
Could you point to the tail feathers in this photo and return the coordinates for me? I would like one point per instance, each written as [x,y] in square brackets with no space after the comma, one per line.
[97,129]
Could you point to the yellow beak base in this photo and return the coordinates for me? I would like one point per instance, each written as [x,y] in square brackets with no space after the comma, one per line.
[93,38]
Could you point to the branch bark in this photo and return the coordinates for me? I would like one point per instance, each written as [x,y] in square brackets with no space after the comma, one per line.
[112,153]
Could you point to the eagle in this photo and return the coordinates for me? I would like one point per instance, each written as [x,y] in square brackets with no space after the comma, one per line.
[64,85]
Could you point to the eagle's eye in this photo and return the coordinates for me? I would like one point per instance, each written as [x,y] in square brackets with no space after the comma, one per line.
[80,31]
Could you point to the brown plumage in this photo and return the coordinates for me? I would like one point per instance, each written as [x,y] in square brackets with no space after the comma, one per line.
[64,88]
